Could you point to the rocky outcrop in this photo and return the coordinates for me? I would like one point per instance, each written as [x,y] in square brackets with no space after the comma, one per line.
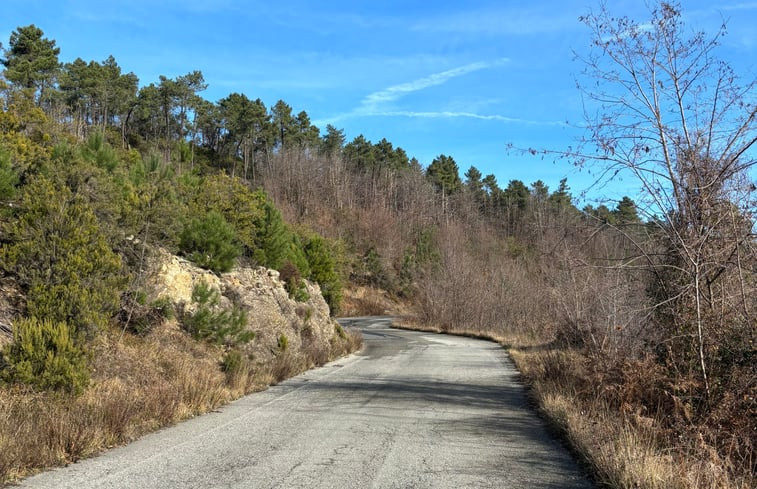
[271,313]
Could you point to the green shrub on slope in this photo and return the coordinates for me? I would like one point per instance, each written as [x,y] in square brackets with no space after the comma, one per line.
[58,252]
[210,242]
[45,354]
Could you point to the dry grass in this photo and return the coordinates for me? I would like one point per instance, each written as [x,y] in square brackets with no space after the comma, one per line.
[409,324]
[288,364]
[346,341]
[369,301]
[626,450]
[139,385]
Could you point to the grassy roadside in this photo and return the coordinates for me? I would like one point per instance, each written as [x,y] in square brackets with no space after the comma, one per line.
[138,386]
[621,447]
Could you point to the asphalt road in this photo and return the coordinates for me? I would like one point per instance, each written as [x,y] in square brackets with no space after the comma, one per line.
[412,410]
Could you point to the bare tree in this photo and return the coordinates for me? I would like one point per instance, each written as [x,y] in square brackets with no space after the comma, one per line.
[663,108]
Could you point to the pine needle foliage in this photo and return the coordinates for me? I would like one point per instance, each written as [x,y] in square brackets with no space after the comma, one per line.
[239,205]
[59,254]
[47,355]
[272,238]
[323,270]
[8,177]
[210,242]
[213,323]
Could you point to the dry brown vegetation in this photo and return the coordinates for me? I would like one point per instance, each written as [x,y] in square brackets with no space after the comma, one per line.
[139,384]
[612,368]
[584,339]
[626,445]
[371,301]
[603,365]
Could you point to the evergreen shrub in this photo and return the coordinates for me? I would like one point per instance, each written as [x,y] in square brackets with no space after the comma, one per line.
[210,242]
[210,322]
[47,355]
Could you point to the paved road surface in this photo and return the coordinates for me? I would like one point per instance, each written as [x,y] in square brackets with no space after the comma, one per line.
[413,410]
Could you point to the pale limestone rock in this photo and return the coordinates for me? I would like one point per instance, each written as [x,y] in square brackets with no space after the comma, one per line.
[270,310]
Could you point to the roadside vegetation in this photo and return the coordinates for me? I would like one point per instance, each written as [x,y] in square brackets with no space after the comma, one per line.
[96,184]
[633,321]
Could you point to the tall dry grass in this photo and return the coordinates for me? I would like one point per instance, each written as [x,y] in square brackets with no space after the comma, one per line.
[139,385]
[626,449]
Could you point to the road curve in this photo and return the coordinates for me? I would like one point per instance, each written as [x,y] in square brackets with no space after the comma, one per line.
[412,410]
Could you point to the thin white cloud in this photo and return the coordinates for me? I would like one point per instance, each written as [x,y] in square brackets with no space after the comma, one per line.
[376,99]
[445,114]
[468,115]
[378,104]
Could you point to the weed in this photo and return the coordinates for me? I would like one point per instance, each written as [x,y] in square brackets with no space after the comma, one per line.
[283,342]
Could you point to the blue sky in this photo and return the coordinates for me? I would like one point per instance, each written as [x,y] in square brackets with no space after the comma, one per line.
[445,77]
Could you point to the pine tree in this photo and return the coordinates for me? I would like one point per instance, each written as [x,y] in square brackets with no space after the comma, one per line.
[31,60]
[210,242]
[625,212]
[60,255]
[323,270]
[271,238]
[444,174]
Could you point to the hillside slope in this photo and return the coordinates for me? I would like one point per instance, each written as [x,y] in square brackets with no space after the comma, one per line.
[140,382]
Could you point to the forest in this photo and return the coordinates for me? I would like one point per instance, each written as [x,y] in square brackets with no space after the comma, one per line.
[632,324]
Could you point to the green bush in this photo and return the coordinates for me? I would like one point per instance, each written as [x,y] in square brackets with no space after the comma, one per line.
[323,270]
[272,238]
[234,364]
[212,323]
[296,254]
[408,272]
[60,256]
[45,354]
[242,207]
[154,200]
[163,307]
[8,177]
[98,152]
[210,242]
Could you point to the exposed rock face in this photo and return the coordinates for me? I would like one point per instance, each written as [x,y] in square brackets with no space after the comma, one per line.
[176,277]
[271,313]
